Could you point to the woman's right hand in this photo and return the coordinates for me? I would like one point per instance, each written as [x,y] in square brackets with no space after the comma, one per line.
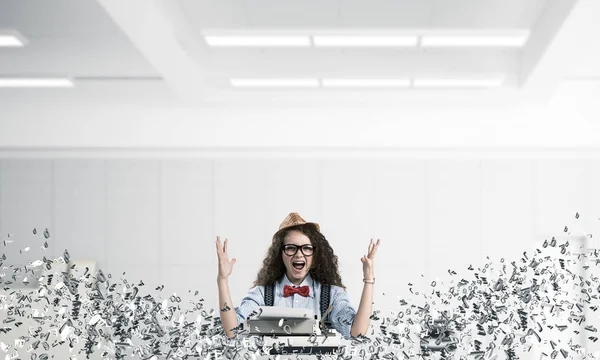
[225,266]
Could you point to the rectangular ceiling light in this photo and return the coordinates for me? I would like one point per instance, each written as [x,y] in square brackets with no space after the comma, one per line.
[497,81]
[303,83]
[475,40]
[36,83]
[381,83]
[256,41]
[364,41]
[8,40]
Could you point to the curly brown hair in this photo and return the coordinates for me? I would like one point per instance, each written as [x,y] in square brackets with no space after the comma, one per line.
[325,263]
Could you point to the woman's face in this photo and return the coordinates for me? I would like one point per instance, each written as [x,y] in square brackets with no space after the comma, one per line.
[297,265]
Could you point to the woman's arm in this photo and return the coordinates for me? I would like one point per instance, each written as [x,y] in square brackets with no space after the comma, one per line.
[227,310]
[360,325]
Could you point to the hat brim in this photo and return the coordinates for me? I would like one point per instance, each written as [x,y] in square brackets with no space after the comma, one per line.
[291,226]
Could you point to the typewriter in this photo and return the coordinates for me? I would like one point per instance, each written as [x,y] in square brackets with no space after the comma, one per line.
[292,331]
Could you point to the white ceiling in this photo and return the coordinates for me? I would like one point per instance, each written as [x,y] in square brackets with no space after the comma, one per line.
[76,38]
[158,45]
[362,14]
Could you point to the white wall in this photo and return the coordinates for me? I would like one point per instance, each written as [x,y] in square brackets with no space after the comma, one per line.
[125,117]
[157,219]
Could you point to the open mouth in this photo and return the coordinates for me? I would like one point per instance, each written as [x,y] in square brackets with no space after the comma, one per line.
[298,265]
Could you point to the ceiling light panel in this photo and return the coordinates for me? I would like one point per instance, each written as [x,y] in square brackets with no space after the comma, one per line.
[302,83]
[257,41]
[475,38]
[377,83]
[364,41]
[11,39]
[488,82]
[36,83]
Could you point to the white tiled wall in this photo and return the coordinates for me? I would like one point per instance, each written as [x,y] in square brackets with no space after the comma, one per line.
[157,220]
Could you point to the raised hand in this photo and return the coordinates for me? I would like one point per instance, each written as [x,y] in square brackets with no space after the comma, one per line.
[367,260]
[225,266]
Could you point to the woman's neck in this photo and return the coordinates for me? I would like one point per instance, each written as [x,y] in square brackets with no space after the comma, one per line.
[296,282]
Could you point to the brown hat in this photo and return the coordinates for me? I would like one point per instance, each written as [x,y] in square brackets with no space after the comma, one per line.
[294,219]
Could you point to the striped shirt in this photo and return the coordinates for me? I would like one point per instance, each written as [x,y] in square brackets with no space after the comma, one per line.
[341,316]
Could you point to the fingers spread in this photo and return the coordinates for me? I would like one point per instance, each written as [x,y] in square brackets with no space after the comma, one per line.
[376,246]
[373,248]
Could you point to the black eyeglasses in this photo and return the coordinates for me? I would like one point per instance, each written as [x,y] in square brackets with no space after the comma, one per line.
[291,249]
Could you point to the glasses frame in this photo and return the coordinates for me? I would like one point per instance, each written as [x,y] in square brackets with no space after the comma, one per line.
[298,247]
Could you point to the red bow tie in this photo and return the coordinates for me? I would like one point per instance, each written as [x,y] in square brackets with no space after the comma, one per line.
[289,290]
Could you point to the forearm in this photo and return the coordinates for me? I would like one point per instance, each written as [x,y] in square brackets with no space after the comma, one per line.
[226,308]
[365,308]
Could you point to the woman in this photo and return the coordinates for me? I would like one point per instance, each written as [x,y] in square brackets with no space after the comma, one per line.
[298,263]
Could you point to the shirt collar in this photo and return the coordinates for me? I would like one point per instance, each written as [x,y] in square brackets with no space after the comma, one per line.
[308,281]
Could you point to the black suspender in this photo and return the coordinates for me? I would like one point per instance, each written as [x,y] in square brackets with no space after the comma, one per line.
[325,290]
[269,294]
[325,296]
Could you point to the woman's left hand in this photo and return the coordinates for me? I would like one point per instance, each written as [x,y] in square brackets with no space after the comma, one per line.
[367,260]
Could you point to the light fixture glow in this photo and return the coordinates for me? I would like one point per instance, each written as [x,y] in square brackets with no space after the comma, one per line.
[459,82]
[477,40]
[304,83]
[364,41]
[366,82]
[35,83]
[256,41]
[11,41]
